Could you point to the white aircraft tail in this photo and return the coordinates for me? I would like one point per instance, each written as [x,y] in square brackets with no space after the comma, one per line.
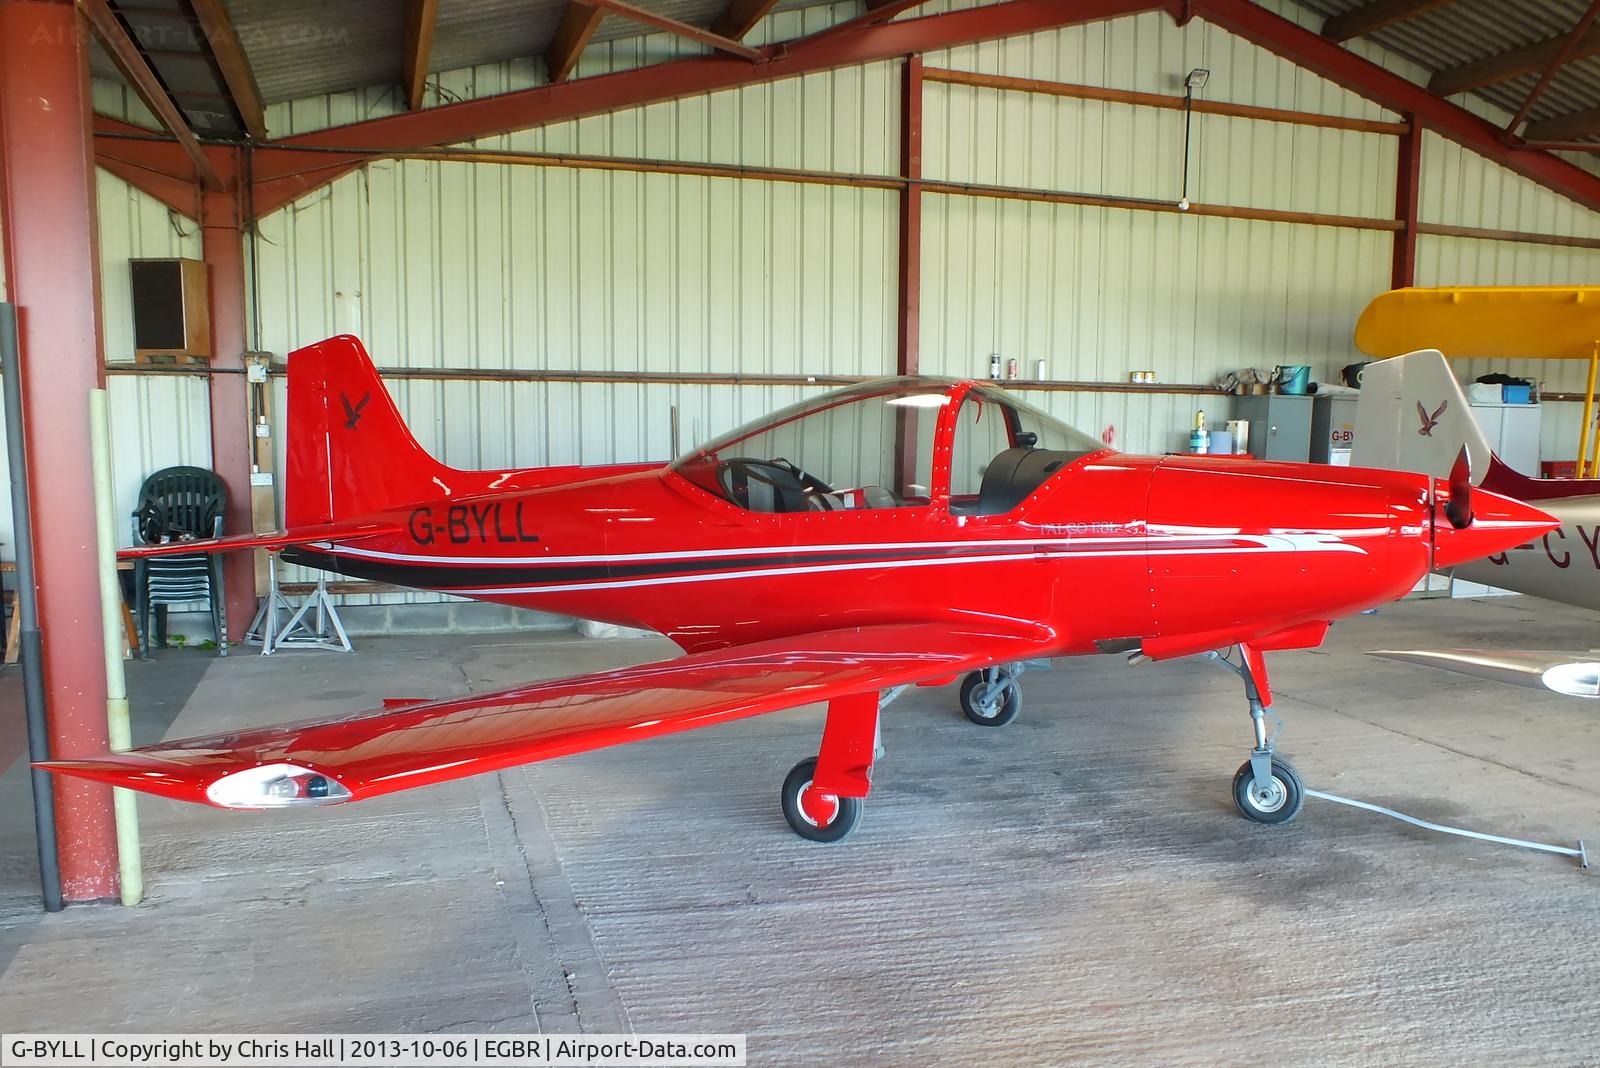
[1413,416]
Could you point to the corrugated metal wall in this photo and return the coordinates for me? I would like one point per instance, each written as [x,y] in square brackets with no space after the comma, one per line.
[498,266]
[1097,292]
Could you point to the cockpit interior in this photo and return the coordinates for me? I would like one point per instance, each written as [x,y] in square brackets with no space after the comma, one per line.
[872,446]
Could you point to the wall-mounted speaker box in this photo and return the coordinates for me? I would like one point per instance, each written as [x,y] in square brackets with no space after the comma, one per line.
[171,313]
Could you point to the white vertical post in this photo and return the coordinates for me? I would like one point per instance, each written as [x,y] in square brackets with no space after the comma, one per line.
[121,734]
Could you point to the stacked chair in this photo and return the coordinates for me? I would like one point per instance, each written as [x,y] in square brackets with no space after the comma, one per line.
[174,503]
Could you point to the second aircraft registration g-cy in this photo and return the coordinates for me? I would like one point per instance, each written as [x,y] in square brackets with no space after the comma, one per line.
[904,531]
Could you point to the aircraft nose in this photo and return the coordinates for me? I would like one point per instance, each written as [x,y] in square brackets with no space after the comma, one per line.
[1498,523]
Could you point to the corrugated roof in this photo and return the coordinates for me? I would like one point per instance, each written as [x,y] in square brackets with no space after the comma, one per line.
[302,48]
[306,48]
[1466,31]
[166,31]
[487,31]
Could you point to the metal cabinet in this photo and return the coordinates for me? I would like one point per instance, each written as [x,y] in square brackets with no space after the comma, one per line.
[1333,427]
[1513,433]
[1280,425]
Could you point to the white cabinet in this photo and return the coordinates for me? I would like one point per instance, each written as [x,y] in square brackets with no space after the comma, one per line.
[1513,433]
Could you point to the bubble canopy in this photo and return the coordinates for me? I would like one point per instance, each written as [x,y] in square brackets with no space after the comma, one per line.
[872,445]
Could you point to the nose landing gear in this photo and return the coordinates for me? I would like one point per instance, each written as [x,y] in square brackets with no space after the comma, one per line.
[1266,788]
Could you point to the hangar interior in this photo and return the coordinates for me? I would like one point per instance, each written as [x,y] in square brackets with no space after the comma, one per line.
[532,313]
[575,233]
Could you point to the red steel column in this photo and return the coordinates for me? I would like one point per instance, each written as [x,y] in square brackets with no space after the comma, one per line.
[222,243]
[910,272]
[47,197]
[1407,195]
[910,216]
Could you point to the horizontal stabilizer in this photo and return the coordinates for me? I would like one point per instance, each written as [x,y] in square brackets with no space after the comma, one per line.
[272,539]
[400,746]
[1570,674]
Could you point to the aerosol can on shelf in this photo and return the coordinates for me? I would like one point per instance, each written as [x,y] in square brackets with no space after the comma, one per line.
[1199,440]
[994,367]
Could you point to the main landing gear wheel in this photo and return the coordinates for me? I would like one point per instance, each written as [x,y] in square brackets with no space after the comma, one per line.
[1278,802]
[990,702]
[819,817]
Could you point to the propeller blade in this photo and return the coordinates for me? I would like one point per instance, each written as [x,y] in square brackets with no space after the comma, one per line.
[1459,508]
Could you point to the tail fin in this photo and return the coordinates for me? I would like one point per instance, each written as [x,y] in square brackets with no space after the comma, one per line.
[349,452]
[1413,416]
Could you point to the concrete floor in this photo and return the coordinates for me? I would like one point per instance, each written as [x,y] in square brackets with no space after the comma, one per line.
[1074,887]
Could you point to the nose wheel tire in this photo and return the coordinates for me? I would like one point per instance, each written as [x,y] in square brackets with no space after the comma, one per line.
[818,817]
[1277,802]
[995,711]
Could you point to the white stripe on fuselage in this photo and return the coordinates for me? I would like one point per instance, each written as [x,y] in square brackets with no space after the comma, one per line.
[1072,547]
[1307,542]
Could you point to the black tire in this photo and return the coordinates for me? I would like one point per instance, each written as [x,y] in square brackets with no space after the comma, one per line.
[837,829]
[1280,805]
[1003,712]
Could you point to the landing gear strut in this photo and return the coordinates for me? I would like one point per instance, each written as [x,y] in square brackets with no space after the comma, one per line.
[823,796]
[1266,788]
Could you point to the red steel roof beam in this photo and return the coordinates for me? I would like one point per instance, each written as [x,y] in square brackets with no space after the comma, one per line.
[1560,60]
[876,14]
[421,18]
[578,23]
[1317,54]
[125,54]
[679,29]
[1503,66]
[1564,146]
[1570,127]
[741,16]
[234,65]
[1374,16]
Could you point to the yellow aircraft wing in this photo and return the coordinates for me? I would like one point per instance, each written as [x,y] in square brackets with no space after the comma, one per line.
[1514,322]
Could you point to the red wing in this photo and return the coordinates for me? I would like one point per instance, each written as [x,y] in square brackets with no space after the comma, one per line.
[352,530]
[407,745]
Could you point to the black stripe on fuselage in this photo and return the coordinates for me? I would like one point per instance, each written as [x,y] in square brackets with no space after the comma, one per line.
[445,575]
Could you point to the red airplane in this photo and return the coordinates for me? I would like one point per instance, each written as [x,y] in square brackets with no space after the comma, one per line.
[904,531]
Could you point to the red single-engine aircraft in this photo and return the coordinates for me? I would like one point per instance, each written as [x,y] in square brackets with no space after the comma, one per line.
[901,531]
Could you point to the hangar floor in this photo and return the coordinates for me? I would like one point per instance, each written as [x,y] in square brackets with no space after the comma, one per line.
[1073,887]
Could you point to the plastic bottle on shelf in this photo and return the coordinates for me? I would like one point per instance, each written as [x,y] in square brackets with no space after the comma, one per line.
[1199,439]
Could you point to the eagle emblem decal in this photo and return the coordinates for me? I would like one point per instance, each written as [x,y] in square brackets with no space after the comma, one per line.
[352,412]
[1428,421]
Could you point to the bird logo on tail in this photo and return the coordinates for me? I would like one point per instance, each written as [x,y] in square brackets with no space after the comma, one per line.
[1430,421]
[352,412]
